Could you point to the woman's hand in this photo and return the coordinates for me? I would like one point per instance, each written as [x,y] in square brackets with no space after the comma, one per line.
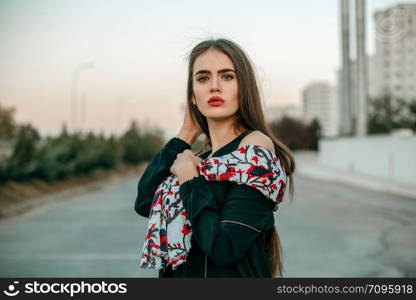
[184,166]
[189,131]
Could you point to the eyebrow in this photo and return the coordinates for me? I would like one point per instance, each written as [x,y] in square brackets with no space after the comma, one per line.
[209,72]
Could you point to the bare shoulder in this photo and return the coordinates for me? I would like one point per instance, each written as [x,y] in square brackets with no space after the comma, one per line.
[258,138]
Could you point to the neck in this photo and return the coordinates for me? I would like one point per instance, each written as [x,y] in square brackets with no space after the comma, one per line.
[222,132]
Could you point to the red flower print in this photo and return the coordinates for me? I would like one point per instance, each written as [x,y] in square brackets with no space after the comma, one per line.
[226,175]
[151,244]
[164,240]
[185,215]
[186,230]
[253,185]
[256,159]
[267,175]
[198,169]
[158,201]
[281,192]
[273,186]
[250,169]
[150,235]
[216,161]
[170,192]
[242,150]
[211,176]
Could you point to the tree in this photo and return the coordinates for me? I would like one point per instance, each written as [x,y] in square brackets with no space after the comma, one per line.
[7,122]
[412,110]
[22,163]
[314,134]
[291,132]
[132,145]
[386,114]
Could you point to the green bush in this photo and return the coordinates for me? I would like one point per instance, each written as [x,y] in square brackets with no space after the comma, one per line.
[130,141]
[55,158]
[98,153]
[140,147]
[22,163]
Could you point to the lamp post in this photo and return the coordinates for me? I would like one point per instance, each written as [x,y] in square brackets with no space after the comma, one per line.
[83,109]
[74,91]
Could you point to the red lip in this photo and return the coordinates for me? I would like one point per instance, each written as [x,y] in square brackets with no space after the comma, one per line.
[215,100]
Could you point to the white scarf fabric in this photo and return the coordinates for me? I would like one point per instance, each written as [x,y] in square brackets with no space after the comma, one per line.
[169,231]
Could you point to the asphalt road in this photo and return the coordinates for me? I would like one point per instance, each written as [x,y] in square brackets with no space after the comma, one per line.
[329,230]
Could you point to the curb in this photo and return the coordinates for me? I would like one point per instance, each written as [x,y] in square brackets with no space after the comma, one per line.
[317,171]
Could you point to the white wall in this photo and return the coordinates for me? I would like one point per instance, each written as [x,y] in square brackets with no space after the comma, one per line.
[391,157]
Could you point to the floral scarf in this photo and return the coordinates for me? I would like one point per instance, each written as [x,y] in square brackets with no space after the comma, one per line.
[169,231]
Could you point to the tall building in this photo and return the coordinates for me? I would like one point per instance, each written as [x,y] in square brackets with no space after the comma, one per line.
[395,56]
[373,78]
[319,102]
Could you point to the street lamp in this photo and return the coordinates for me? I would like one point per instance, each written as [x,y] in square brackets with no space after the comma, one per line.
[74,91]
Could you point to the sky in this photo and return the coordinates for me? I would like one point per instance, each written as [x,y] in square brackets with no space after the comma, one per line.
[137,50]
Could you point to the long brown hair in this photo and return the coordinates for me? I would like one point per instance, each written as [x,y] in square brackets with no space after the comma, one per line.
[250,115]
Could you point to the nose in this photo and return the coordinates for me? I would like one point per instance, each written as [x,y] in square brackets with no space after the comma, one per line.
[215,87]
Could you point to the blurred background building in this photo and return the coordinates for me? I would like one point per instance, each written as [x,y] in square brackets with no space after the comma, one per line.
[389,73]
[395,56]
[319,103]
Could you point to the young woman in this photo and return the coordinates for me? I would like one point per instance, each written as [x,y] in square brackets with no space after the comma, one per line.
[223,103]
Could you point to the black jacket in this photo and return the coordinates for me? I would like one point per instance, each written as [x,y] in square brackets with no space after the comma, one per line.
[219,249]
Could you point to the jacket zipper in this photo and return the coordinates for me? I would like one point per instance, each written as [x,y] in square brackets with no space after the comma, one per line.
[205,265]
[243,224]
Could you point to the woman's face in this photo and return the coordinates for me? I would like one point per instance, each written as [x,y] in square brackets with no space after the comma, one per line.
[214,75]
